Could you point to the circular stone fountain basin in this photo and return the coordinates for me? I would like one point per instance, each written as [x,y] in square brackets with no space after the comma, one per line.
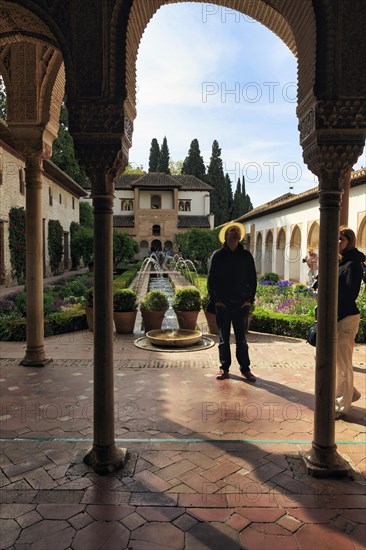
[177,338]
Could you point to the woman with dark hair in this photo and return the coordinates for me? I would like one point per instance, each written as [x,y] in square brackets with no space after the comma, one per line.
[349,283]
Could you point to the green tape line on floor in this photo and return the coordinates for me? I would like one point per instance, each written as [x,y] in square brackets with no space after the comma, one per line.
[152,440]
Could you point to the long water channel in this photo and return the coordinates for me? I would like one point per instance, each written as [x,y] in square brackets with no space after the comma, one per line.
[161,282]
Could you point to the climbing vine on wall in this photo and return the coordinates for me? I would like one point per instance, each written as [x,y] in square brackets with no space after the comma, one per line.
[17,243]
[55,244]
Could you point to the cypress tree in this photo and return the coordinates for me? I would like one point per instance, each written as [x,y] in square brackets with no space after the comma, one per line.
[163,165]
[236,209]
[229,197]
[193,164]
[246,202]
[154,155]
[216,178]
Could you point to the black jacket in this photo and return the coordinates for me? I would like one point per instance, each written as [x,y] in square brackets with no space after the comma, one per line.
[349,282]
[232,276]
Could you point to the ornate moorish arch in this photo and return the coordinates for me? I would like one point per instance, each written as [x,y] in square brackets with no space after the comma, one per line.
[98,43]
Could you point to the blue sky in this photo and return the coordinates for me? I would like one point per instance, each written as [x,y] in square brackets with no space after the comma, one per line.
[207,72]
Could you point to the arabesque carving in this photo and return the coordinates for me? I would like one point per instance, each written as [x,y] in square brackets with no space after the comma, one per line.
[342,113]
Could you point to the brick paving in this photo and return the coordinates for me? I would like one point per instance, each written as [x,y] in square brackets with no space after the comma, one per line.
[211,465]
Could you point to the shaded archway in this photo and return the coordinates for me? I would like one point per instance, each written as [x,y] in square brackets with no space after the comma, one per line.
[361,235]
[313,236]
[268,253]
[280,253]
[258,252]
[295,254]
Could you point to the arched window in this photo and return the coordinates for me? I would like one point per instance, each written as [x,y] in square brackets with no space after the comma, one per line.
[181,206]
[156,202]
[156,230]
[187,206]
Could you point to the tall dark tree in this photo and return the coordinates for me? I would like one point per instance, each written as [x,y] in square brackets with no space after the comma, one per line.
[247,203]
[63,154]
[193,164]
[163,165]
[236,209]
[229,197]
[216,178]
[154,155]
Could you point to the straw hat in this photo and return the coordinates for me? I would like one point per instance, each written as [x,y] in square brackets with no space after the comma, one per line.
[227,226]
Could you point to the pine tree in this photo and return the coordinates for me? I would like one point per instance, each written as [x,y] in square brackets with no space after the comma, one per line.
[193,164]
[163,165]
[154,155]
[216,178]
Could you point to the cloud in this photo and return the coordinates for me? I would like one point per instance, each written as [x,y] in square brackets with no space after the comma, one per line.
[180,53]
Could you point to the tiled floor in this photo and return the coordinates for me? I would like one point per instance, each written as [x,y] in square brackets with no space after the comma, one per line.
[211,465]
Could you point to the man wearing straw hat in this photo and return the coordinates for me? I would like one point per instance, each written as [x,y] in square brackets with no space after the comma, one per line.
[232,284]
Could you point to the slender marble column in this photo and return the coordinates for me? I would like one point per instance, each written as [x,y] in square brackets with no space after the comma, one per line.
[35,353]
[323,459]
[104,456]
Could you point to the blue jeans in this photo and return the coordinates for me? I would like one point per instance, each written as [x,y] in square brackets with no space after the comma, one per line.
[238,317]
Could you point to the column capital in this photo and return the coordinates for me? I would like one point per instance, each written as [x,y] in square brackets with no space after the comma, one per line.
[332,135]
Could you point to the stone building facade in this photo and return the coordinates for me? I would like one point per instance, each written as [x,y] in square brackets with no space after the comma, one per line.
[60,201]
[154,207]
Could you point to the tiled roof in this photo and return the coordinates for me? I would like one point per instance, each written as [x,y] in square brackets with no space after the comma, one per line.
[123,221]
[191,183]
[188,222]
[159,179]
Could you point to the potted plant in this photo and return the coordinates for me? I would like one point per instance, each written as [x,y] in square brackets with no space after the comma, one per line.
[124,310]
[88,306]
[210,315]
[187,305]
[153,308]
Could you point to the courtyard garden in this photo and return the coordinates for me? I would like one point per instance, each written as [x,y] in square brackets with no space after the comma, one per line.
[281,307]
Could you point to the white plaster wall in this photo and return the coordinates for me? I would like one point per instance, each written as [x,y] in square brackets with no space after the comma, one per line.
[199,204]
[118,196]
[167,199]
[303,216]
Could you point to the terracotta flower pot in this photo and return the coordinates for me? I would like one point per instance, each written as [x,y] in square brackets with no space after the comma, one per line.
[124,321]
[211,322]
[89,317]
[152,319]
[187,319]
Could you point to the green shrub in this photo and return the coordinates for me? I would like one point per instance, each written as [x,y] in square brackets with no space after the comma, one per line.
[17,236]
[89,297]
[282,324]
[361,304]
[124,300]
[155,300]
[187,299]
[270,276]
[55,244]
[66,321]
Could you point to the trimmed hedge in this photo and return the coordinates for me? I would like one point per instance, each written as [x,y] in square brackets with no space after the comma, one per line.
[280,323]
[63,321]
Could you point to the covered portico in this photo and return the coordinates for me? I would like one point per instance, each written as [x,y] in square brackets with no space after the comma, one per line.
[88,49]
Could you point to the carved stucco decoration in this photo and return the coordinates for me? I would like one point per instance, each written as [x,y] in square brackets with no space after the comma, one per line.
[17,22]
[353,48]
[96,117]
[343,113]
[332,161]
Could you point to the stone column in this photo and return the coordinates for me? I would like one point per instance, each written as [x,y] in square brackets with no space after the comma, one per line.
[104,456]
[330,162]
[35,353]
[345,199]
